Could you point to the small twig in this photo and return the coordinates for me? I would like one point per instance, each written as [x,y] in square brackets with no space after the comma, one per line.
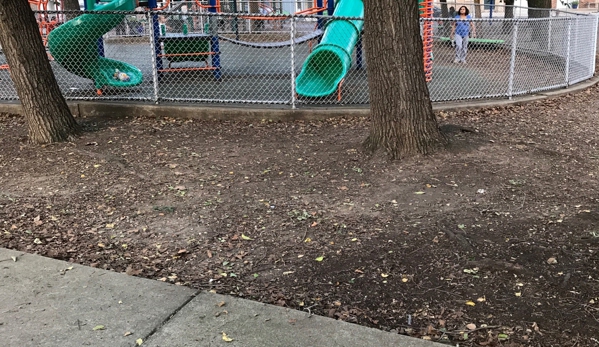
[13,258]
[305,234]
[309,311]
[258,262]
[457,332]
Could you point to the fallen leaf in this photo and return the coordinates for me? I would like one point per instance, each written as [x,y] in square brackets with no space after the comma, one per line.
[321,258]
[471,326]
[99,327]
[308,239]
[384,275]
[419,193]
[127,333]
[221,304]
[37,221]
[139,342]
[470,303]
[243,237]
[13,259]
[131,271]
[518,294]
[354,239]
[209,254]
[502,337]
[404,279]
[288,272]
[110,225]
[482,299]
[226,338]
[551,261]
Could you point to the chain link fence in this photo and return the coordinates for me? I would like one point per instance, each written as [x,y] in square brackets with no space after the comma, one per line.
[296,60]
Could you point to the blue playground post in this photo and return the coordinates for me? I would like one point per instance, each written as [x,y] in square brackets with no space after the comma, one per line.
[156,33]
[491,5]
[214,44]
[330,7]
[89,5]
[319,5]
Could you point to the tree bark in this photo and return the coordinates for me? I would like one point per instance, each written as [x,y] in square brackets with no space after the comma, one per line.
[509,9]
[444,9]
[70,5]
[509,13]
[534,4]
[48,116]
[477,10]
[402,120]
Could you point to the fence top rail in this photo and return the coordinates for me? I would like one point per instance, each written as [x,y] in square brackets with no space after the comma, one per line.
[486,20]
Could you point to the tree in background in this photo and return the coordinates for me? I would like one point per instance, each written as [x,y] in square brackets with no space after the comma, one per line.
[46,111]
[509,9]
[477,10]
[70,5]
[444,10]
[533,5]
[509,13]
[402,120]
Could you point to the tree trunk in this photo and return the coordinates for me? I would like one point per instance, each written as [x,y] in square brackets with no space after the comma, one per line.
[509,9]
[509,13]
[534,4]
[71,5]
[403,122]
[477,10]
[48,116]
[538,29]
[444,10]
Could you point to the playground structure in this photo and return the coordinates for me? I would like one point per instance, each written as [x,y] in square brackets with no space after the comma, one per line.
[45,21]
[264,66]
[84,32]
[323,72]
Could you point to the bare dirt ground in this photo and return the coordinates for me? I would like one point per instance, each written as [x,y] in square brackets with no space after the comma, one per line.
[494,241]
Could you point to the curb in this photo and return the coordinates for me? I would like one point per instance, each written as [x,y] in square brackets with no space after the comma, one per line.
[251,113]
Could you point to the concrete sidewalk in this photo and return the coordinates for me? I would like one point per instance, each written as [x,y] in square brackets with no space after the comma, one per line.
[47,302]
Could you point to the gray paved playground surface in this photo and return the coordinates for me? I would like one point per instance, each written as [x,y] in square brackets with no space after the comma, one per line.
[47,302]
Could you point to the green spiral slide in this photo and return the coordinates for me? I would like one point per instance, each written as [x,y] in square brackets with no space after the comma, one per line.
[74,45]
[331,59]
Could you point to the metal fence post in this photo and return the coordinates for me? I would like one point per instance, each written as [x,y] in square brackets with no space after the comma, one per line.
[292,34]
[567,72]
[549,35]
[154,49]
[594,58]
[510,87]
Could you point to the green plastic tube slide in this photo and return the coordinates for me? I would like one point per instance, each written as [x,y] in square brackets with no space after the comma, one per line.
[74,45]
[331,59]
